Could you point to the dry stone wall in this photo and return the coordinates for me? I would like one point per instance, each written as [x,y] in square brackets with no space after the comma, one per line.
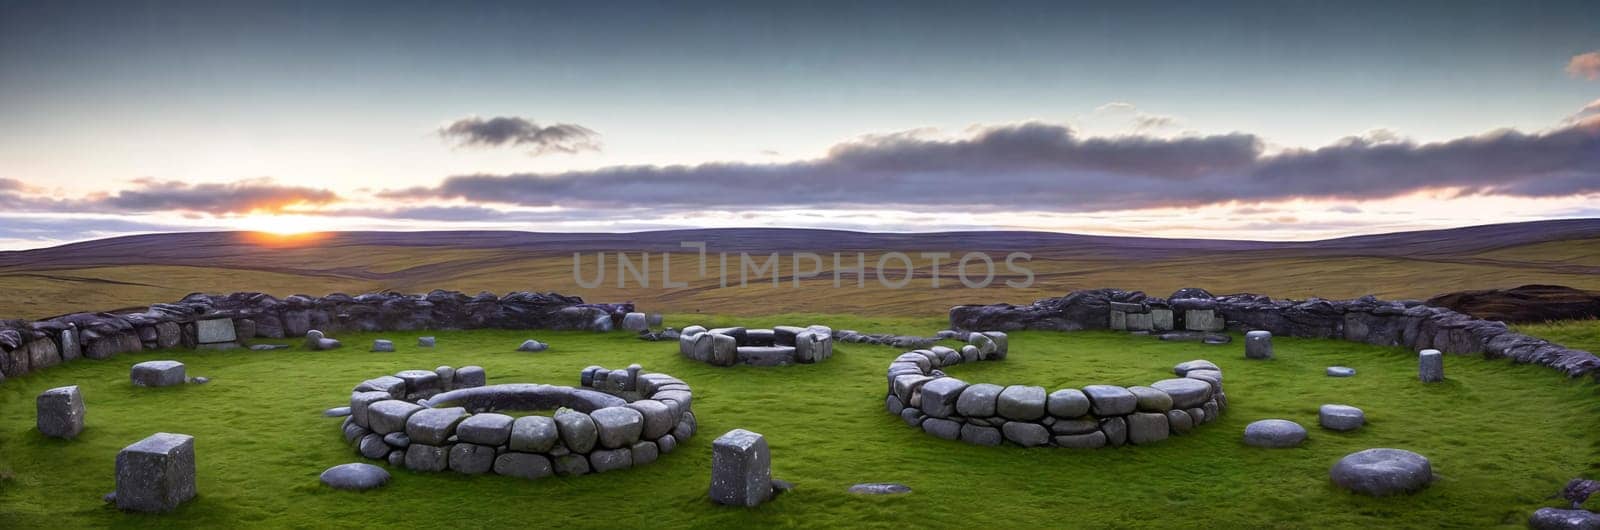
[221,321]
[1406,323]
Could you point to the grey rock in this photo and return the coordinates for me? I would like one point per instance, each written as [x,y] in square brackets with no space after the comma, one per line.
[657,418]
[390,415]
[156,474]
[60,412]
[603,460]
[1018,402]
[1116,431]
[200,380]
[393,386]
[469,377]
[268,347]
[1151,399]
[372,446]
[644,452]
[1109,400]
[533,434]
[523,465]
[426,342]
[879,488]
[1381,472]
[1258,345]
[741,469]
[939,396]
[618,427]
[1341,417]
[1183,368]
[420,384]
[1147,427]
[422,457]
[1026,434]
[158,374]
[980,435]
[531,345]
[1093,440]
[360,402]
[978,400]
[1559,519]
[472,459]
[686,427]
[942,428]
[215,331]
[1075,426]
[434,426]
[635,322]
[1341,371]
[1186,393]
[766,355]
[336,412]
[354,477]
[1179,421]
[383,345]
[447,377]
[578,431]
[1274,434]
[486,428]
[1068,403]
[1211,377]
[569,465]
[1430,366]
[397,440]
[667,443]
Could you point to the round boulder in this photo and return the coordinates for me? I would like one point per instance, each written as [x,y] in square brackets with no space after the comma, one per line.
[1380,472]
[1274,434]
[1341,417]
[355,477]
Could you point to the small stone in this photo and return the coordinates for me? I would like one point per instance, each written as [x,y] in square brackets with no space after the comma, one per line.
[1430,366]
[1179,421]
[523,465]
[355,477]
[426,342]
[1341,371]
[383,345]
[158,374]
[531,345]
[1559,519]
[1381,472]
[1116,431]
[337,412]
[397,440]
[200,380]
[1341,417]
[1274,434]
[372,446]
[60,412]
[644,452]
[880,488]
[1258,345]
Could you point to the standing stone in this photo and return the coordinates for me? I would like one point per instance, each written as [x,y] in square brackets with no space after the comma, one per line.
[60,412]
[741,469]
[383,345]
[158,373]
[635,322]
[1430,366]
[1258,345]
[156,474]
[71,348]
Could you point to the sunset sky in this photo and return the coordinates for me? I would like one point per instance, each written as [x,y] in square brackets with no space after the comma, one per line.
[1267,120]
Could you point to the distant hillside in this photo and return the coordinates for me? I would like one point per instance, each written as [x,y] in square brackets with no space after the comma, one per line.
[133,270]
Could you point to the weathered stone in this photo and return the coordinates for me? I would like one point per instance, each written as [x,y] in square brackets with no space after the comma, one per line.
[390,415]
[60,412]
[978,401]
[426,342]
[158,373]
[1179,421]
[360,402]
[1430,366]
[1381,472]
[741,469]
[373,446]
[723,349]
[942,428]
[879,489]
[1147,427]
[420,384]
[1151,399]
[397,440]
[766,355]
[635,322]
[1559,519]
[667,443]
[1258,345]
[336,412]
[686,427]
[354,477]
[603,460]
[533,434]
[397,458]
[447,377]
[980,435]
[1109,400]
[531,345]
[383,345]
[1186,393]
[1341,371]
[1341,417]
[1118,320]
[423,457]
[393,386]
[486,428]
[1116,430]
[1018,402]
[1092,440]
[569,465]
[1274,434]
[156,474]
[578,431]
[215,330]
[472,459]
[644,452]
[1026,434]
[812,346]
[1075,426]
[1211,377]
[469,377]
[939,396]
[434,426]
[523,465]
[1161,319]
[1201,320]
[1068,403]
[618,427]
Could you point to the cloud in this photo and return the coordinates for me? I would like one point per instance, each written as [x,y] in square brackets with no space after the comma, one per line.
[1040,166]
[150,195]
[502,131]
[1116,106]
[1585,65]
[1144,121]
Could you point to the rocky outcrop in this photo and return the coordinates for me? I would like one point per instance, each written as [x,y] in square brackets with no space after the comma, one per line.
[1528,303]
[27,347]
[1407,323]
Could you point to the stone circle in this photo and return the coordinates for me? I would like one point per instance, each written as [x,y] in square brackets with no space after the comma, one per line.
[1274,434]
[777,346]
[1030,416]
[431,421]
[1380,472]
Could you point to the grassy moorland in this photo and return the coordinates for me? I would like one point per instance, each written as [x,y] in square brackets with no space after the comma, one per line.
[1503,438]
[134,271]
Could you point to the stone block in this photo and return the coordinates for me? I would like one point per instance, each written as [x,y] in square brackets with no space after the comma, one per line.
[156,474]
[60,412]
[158,373]
[215,330]
[1430,366]
[741,469]
[1258,345]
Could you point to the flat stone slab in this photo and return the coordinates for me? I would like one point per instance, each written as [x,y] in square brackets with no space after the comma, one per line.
[1341,371]
[337,412]
[880,488]
[1559,519]
[214,331]
[1274,434]
[1186,393]
[1382,471]
[355,477]
[383,345]
[158,374]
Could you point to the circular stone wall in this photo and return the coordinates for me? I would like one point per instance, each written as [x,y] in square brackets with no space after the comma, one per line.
[449,419]
[1092,417]
[778,346]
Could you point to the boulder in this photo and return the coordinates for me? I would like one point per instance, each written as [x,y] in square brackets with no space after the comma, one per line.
[1274,434]
[635,322]
[939,396]
[1116,431]
[486,428]
[1150,399]
[569,465]
[1179,421]
[1341,417]
[156,474]
[354,477]
[158,373]
[523,465]
[1186,393]
[373,446]
[391,415]
[980,435]
[531,345]
[1026,434]
[1067,403]
[578,431]
[741,469]
[1109,400]
[1258,345]
[1147,427]
[1092,440]
[434,426]
[1183,368]
[942,428]
[1019,402]
[426,342]
[1381,472]
[469,377]
[217,330]
[422,457]
[644,452]
[618,427]
[978,401]
[603,460]
[60,412]
[533,434]
[1559,519]
[472,459]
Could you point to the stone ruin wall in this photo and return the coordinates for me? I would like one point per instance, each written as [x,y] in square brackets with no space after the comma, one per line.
[1407,323]
[198,321]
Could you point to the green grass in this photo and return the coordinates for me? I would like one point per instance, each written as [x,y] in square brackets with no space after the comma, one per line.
[1502,437]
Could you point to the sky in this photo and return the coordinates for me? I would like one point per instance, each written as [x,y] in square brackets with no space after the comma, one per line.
[1250,120]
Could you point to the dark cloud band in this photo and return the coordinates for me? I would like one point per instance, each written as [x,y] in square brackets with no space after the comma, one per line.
[521,132]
